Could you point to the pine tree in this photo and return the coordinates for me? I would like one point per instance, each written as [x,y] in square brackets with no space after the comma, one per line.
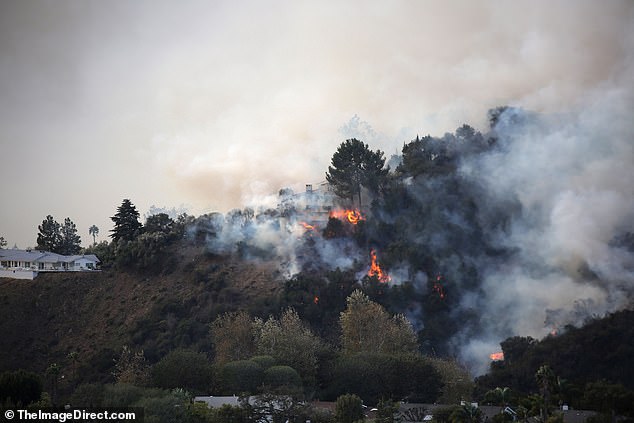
[70,242]
[49,238]
[354,166]
[126,222]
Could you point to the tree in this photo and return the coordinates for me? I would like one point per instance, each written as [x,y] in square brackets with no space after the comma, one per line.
[160,222]
[49,236]
[282,380]
[290,342]
[126,222]
[53,371]
[348,408]
[131,367]
[240,376]
[611,399]
[367,327]
[547,382]
[3,242]
[19,388]
[466,414]
[232,337]
[354,166]
[94,231]
[70,242]
[183,369]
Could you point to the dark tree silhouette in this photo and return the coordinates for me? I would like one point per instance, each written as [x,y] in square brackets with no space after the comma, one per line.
[70,242]
[49,238]
[126,222]
[354,166]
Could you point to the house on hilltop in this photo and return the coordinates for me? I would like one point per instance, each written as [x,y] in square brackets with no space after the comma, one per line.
[25,264]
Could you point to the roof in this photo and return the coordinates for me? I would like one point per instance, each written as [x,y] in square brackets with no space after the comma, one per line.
[213,402]
[43,256]
[20,255]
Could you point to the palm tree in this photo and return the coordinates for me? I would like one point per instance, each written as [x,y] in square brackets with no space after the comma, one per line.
[547,382]
[94,231]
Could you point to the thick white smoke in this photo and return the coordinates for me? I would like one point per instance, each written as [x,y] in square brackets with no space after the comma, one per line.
[573,175]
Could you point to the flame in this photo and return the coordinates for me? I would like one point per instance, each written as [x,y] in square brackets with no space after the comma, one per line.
[438,287]
[353,216]
[375,269]
[316,299]
[307,226]
[497,356]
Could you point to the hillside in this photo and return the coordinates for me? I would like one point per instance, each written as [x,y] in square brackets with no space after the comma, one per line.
[95,314]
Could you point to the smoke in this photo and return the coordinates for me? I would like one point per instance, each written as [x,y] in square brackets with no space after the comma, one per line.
[572,175]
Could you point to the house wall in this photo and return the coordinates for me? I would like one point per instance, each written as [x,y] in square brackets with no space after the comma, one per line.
[18,274]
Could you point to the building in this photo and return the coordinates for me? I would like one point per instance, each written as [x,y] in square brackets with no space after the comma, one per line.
[25,264]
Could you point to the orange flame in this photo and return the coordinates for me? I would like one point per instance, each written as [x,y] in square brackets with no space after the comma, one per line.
[375,269]
[438,287]
[353,216]
[497,356]
[307,226]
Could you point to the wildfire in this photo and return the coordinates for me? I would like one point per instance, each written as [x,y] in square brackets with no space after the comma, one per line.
[307,226]
[353,216]
[497,356]
[375,269]
[438,287]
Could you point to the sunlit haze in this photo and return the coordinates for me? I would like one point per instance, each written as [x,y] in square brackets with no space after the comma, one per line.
[210,105]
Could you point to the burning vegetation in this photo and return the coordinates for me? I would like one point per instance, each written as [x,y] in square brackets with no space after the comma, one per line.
[454,217]
[375,269]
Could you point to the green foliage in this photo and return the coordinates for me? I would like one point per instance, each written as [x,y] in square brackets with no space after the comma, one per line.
[160,222]
[578,355]
[456,380]
[126,222]
[167,408]
[387,412]
[609,398]
[265,361]
[443,414]
[282,379]
[233,337]
[88,395]
[105,251]
[123,395]
[70,242]
[348,408]
[240,376]
[354,166]
[279,408]
[375,376]
[183,369]
[466,414]
[367,327]
[229,414]
[49,237]
[93,231]
[290,342]
[19,388]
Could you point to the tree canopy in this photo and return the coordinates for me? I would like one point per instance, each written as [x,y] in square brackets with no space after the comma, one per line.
[49,236]
[126,222]
[56,238]
[354,166]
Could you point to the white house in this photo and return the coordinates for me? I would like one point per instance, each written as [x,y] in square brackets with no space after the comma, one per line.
[24,264]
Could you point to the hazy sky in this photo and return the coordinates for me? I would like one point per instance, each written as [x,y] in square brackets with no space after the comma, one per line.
[212,103]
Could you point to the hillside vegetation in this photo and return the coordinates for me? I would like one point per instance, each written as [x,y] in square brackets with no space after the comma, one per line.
[393,283]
